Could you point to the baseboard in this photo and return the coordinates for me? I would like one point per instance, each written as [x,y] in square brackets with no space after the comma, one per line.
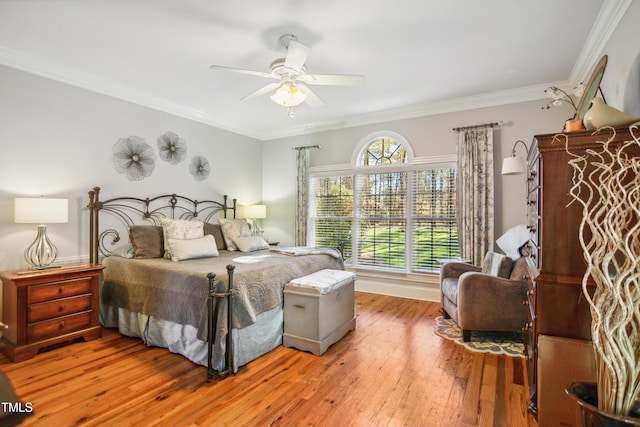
[426,290]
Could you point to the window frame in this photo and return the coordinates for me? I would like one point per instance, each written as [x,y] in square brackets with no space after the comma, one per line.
[356,169]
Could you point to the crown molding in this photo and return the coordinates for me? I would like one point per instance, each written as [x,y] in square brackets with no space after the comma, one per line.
[33,65]
[611,12]
[511,96]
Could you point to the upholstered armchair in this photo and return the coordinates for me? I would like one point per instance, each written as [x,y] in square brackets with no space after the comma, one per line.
[484,301]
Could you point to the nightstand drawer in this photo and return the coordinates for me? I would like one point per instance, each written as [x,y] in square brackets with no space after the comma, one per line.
[65,288]
[59,307]
[59,326]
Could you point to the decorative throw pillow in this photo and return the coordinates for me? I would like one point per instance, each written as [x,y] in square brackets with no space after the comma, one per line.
[513,239]
[233,229]
[147,241]
[201,247]
[124,251]
[497,264]
[216,231]
[180,229]
[251,243]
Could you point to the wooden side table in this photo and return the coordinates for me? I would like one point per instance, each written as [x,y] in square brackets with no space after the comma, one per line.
[47,307]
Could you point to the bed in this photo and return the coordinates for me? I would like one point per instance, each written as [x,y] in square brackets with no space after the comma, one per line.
[181,303]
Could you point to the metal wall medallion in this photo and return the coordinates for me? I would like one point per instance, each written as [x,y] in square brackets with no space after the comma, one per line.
[199,168]
[172,148]
[134,157]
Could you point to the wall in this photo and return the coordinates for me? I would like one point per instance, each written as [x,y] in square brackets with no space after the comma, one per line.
[57,141]
[621,81]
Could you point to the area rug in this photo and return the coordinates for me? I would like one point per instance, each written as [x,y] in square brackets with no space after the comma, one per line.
[508,343]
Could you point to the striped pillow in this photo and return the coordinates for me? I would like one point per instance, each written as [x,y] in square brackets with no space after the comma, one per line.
[496,264]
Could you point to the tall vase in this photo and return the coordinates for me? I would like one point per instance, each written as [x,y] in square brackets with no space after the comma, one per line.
[586,395]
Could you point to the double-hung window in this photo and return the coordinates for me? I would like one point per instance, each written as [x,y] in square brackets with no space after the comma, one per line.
[389,214]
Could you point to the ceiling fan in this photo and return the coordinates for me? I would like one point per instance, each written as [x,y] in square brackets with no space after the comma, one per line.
[291,89]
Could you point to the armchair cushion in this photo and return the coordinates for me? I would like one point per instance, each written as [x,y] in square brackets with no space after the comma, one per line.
[497,265]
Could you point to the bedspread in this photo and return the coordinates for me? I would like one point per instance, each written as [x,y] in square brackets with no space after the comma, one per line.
[178,291]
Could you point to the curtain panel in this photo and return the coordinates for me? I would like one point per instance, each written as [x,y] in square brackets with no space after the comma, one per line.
[302,195]
[476,193]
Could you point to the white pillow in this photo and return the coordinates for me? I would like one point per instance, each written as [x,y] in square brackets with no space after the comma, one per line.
[179,229]
[201,247]
[251,243]
[513,239]
[233,229]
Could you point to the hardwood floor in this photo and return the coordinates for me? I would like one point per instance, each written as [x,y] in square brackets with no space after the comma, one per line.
[392,370]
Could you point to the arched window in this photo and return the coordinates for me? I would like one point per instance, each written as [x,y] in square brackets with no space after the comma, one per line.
[389,211]
[383,151]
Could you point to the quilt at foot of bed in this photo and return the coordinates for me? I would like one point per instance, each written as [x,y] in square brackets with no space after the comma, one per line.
[249,343]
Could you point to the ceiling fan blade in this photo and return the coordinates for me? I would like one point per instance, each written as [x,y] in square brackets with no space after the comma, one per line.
[242,71]
[312,99]
[262,91]
[296,55]
[334,79]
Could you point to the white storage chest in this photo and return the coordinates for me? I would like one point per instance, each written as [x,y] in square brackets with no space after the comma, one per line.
[318,310]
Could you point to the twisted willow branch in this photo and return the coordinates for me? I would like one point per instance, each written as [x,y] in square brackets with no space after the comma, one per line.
[606,183]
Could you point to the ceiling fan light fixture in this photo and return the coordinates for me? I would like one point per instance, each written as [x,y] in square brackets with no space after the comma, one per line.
[288,95]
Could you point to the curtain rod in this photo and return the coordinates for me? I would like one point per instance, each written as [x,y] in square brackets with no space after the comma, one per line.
[306,147]
[485,125]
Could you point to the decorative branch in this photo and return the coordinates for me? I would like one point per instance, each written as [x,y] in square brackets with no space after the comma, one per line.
[606,183]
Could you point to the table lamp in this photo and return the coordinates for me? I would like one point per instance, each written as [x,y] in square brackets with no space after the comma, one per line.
[255,212]
[42,251]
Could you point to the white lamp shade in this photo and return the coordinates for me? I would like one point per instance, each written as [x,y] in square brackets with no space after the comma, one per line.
[513,166]
[41,210]
[254,211]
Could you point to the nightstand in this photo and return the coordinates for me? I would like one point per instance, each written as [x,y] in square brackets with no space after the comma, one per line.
[47,307]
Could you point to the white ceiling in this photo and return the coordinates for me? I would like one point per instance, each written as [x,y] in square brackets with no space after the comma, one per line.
[418,56]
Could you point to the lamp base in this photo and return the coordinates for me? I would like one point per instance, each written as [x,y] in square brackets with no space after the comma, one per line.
[42,251]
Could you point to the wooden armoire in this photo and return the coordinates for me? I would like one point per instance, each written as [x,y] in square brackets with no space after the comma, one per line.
[559,330]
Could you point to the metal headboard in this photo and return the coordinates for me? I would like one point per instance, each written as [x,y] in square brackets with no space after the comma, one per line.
[132,210]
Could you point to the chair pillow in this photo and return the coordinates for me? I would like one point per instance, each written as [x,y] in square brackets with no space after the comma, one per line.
[513,239]
[496,264]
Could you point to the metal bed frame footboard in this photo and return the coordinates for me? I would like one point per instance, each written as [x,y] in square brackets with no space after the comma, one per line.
[216,296]
[131,211]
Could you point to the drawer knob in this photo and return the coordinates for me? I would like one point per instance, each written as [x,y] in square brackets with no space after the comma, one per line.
[61,289]
[61,325]
[61,307]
